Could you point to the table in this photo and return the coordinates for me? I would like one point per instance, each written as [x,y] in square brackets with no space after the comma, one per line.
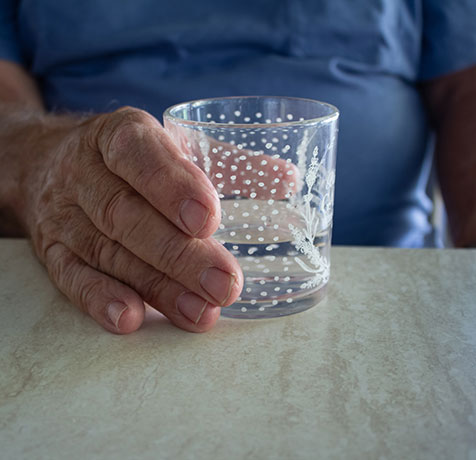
[385,368]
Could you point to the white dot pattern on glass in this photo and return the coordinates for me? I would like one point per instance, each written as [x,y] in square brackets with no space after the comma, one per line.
[276,192]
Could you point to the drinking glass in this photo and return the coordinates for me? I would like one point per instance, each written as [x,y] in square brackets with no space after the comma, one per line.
[272,162]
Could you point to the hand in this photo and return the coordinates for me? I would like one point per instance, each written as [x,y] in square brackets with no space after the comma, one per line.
[120,217]
[231,168]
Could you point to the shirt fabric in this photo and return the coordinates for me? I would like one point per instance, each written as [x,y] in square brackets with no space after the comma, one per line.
[365,57]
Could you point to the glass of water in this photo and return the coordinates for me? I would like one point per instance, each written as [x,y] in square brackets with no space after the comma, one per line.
[272,161]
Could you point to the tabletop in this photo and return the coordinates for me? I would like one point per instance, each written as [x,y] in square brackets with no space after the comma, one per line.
[384,368]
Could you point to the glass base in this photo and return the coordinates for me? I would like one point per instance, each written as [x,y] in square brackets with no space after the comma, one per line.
[266,309]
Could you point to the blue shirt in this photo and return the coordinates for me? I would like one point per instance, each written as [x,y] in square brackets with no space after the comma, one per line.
[365,57]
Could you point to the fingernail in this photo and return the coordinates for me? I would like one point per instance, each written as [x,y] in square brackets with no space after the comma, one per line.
[114,311]
[217,283]
[191,306]
[194,215]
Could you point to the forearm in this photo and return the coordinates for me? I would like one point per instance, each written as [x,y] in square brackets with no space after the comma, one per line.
[452,104]
[18,87]
[21,108]
[457,172]
[15,124]
[26,134]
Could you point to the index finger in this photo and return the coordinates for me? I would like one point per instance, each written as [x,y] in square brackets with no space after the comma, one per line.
[137,148]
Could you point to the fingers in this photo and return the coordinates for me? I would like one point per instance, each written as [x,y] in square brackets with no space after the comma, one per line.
[185,309]
[254,175]
[113,305]
[135,147]
[203,266]
[235,170]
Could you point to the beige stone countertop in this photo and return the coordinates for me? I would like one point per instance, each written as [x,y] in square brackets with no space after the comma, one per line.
[385,368]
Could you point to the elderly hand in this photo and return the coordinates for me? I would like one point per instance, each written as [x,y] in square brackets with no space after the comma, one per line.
[119,216]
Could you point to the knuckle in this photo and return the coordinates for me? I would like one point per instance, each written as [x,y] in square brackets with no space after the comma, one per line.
[43,237]
[121,142]
[72,277]
[176,255]
[111,255]
[99,250]
[126,132]
[134,232]
[88,291]
[64,272]
[152,288]
[148,179]
[54,260]
[113,212]
[133,114]
[121,131]
[49,227]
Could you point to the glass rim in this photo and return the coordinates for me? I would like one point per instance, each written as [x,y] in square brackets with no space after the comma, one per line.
[308,121]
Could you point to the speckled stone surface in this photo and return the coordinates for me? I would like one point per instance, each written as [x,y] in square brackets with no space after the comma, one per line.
[385,368]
